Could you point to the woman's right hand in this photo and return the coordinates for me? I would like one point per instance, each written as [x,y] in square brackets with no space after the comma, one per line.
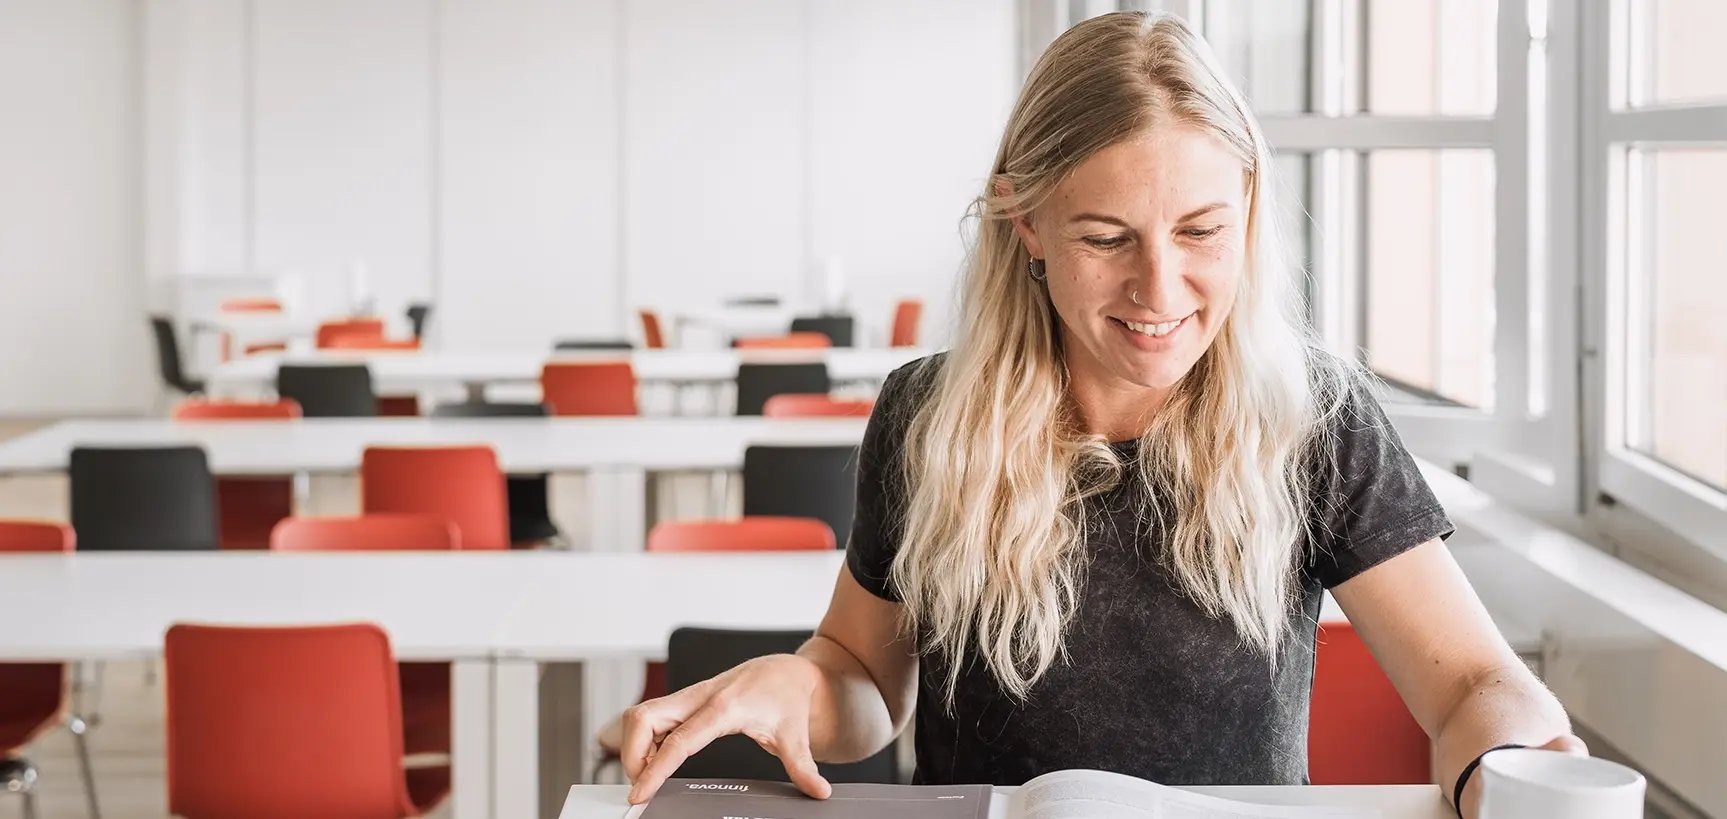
[766,699]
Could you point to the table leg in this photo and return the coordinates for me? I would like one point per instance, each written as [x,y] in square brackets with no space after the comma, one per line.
[471,703]
[619,500]
[515,739]
[476,392]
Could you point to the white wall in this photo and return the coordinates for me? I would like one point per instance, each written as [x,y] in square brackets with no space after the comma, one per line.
[72,333]
[539,167]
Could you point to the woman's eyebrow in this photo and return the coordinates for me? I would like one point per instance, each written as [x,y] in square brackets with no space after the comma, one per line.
[1202,210]
[1112,220]
[1097,217]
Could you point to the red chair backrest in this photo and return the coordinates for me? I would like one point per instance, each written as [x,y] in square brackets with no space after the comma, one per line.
[760,533]
[653,336]
[789,341]
[281,723]
[906,316]
[589,388]
[1359,731]
[815,405]
[365,342]
[31,694]
[250,304]
[332,333]
[200,409]
[461,484]
[366,533]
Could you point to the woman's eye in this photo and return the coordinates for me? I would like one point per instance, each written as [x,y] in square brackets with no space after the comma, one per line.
[1104,242]
[1203,233]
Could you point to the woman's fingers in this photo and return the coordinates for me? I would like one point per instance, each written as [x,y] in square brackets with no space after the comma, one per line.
[694,734]
[645,724]
[1567,743]
[794,753]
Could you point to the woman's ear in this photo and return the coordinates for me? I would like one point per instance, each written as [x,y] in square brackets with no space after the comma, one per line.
[1022,224]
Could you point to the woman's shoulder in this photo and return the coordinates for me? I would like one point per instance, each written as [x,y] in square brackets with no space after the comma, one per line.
[910,385]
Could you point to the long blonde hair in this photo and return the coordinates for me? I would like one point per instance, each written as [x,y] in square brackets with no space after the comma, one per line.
[1000,469]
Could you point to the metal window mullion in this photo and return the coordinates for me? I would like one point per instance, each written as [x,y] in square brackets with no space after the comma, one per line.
[1511,208]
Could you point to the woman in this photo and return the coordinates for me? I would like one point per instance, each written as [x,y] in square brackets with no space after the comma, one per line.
[1095,534]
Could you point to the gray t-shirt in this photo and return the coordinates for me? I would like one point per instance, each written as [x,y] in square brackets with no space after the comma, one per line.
[1152,687]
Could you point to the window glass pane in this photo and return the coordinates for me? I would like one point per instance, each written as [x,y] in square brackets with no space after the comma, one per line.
[1291,194]
[1428,271]
[1265,45]
[1682,59]
[1679,340]
[1427,57]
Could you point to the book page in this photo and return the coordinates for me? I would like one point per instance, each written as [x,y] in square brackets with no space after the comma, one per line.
[1103,795]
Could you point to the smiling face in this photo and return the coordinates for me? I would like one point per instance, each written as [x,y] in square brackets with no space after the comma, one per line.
[1144,245]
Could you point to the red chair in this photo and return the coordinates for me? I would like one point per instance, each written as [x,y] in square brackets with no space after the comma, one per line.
[789,341]
[354,330]
[653,335]
[1359,732]
[461,484]
[33,695]
[816,405]
[906,315]
[748,534]
[425,687]
[361,342]
[283,723]
[371,533]
[250,304]
[249,507]
[589,388]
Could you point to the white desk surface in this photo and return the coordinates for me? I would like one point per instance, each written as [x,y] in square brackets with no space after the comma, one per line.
[1393,801]
[523,445]
[534,605]
[416,370]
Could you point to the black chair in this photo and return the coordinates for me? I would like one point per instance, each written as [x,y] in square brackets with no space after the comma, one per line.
[574,344]
[143,499]
[417,315]
[328,390]
[803,481]
[528,495]
[753,301]
[168,357]
[838,329]
[759,382]
[696,654]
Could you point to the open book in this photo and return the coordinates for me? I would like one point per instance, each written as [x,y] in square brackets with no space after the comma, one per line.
[1057,795]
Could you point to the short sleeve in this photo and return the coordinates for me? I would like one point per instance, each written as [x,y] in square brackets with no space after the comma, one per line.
[881,491]
[1371,501]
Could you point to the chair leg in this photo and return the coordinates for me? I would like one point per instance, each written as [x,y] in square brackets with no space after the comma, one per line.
[29,804]
[87,691]
[80,743]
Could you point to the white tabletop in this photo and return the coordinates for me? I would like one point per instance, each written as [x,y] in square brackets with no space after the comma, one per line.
[524,445]
[408,371]
[1392,801]
[538,605]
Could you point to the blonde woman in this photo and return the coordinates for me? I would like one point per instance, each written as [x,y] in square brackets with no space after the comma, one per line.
[1095,534]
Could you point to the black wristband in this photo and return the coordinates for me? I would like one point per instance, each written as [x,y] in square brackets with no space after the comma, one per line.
[1463,778]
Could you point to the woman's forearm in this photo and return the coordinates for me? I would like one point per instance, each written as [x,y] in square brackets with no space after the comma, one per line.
[1503,705]
[849,716]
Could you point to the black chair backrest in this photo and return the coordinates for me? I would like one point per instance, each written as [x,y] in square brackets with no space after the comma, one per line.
[168,355]
[759,382]
[803,481]
[696,654]
[753,301]
[328,390]
[838,329]
[143,499]
[417,315]
[593,344]
[489,409]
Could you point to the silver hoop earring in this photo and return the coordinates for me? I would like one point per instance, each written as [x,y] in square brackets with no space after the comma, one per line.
[1035,269]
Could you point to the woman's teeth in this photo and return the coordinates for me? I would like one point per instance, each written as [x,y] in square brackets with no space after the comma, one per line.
[1155,330]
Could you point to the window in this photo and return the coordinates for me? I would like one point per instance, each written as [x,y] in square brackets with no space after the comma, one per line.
[1656,161]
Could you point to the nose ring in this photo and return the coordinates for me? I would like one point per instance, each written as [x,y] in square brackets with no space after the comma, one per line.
[1136,298]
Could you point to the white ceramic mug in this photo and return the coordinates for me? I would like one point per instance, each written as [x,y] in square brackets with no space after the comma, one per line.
[1524,783]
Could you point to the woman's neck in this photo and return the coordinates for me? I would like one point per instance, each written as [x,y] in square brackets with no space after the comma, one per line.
[1110,406]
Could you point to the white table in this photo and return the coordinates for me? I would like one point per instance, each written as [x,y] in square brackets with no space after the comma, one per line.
[1392,801]
[403,371]
[484,612]
[616,454]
